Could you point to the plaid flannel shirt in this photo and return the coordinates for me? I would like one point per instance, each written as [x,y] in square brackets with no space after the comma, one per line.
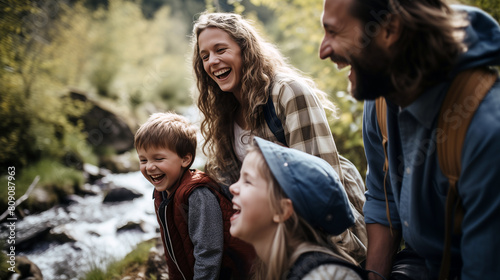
[306,128]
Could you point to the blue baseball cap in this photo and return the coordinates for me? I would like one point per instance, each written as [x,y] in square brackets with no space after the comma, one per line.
[312,184]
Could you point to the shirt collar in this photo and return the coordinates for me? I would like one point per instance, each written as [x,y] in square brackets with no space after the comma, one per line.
[427,106]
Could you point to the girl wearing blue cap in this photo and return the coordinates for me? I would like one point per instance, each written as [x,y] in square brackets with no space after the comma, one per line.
[287,203]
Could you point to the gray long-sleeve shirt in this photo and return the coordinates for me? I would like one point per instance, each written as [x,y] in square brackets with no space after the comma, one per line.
[206,233]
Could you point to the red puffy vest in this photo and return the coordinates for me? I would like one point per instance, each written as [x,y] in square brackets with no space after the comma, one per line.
[238,256]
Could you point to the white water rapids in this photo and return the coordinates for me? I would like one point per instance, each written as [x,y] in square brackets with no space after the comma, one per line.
[94,226]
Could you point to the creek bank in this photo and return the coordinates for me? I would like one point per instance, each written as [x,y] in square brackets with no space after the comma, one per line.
[154,268]
[69,239]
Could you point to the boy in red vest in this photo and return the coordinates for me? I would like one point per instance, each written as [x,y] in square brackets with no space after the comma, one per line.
[192,211]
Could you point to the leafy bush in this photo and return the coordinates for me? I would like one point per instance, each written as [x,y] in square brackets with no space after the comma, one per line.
[56,180]
[116,55]
[4,265]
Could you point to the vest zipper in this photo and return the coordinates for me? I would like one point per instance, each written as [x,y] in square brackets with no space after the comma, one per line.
[169,243]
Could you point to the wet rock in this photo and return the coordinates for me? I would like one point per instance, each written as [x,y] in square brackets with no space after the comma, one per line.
[27,269]
[93,233]
[105,185]
[88,189]
[93,173]
[132,226]
[121,194]
[61,234]
[27,240]
[71,199]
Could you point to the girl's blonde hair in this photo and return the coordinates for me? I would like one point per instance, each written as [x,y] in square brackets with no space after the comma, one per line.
[292,233]
[261,61]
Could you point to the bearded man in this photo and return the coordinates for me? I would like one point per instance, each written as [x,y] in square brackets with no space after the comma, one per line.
[409,52]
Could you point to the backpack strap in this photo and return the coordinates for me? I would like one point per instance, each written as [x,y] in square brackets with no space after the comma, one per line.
[310,260]
[273,122]
[467,91]
[381,110]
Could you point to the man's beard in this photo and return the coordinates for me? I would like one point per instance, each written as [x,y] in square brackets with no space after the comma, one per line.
[371,70]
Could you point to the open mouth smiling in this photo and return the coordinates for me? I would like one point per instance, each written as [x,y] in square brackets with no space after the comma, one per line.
[223,73]
[342,65]
[157,178]
[237,211]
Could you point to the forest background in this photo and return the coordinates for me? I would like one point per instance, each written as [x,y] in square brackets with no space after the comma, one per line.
[132,58]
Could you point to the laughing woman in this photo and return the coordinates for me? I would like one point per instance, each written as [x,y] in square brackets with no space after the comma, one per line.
[237,73]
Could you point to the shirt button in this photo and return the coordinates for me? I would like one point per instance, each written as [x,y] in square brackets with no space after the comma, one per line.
[329,217]
[406,224]
[408,170]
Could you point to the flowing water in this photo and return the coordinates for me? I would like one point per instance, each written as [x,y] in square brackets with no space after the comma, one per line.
[93,225]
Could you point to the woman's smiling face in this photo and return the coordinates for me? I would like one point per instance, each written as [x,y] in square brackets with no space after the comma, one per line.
[221,57]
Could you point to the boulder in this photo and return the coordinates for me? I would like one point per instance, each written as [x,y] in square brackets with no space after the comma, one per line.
[93,173]
[61,234]
[132,226]
[104,128]
[28,239]
[71,199]
[27,269]
[88,189]
[121,194]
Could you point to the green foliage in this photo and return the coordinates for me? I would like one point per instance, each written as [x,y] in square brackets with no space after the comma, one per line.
[346,130]
[115,55]
[56,181]
[117,269]
[4,265]
[32,86]
[137,65]
[37,127]
[13,151]
[490,6]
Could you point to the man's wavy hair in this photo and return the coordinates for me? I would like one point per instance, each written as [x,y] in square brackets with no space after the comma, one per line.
[261,61]
[430,40]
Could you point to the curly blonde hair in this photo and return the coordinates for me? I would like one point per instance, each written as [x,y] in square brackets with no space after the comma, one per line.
[261,61]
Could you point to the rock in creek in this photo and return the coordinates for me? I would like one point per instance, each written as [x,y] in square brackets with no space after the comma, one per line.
[121,194]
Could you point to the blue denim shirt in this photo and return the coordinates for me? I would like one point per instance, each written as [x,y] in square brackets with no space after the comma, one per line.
[417,188]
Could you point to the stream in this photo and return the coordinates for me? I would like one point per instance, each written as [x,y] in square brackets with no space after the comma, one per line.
[93,227]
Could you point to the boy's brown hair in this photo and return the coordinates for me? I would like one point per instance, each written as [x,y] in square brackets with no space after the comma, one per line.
[170,131]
